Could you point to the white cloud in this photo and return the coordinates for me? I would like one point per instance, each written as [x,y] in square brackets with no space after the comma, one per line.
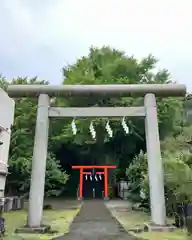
[38,37]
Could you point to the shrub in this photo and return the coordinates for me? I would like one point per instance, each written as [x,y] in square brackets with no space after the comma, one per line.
[177,177]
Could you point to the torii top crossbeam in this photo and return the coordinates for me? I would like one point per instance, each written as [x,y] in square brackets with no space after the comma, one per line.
[164,90]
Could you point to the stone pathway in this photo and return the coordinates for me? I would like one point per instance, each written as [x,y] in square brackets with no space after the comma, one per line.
[94,222]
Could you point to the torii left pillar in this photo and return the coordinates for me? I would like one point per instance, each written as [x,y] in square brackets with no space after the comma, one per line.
[36,196]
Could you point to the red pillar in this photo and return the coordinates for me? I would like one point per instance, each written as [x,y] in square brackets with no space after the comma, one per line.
[106,182]
[81,184]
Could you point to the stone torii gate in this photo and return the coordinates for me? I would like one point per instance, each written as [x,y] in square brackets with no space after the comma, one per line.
[148,112]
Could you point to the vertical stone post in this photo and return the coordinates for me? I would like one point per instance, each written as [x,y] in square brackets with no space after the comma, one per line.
[7,110]
[106,194]
[36,196]
[155,165]
[5,137]
[81,184]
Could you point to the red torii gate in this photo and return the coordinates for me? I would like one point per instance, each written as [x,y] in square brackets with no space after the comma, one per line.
[104,173]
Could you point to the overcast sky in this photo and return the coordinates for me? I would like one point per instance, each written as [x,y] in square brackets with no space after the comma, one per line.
[39,36]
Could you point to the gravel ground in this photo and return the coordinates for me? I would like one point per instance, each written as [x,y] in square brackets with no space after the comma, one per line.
[95,222]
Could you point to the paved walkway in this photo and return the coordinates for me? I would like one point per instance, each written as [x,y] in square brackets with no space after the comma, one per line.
[94,222]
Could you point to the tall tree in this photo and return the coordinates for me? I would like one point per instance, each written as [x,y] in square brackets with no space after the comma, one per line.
[110,66]
[21,148]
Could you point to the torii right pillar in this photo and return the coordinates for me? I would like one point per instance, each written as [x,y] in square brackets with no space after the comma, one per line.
[155,164]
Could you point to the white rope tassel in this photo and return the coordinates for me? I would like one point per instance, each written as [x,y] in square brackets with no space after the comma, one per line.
[74,127]
[91,177]
[92,130]
[86,177]
[100,177]
[109,130]
[96,178]
[144,79]
[124,125]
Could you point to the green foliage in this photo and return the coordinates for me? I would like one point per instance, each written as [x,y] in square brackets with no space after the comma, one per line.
[55,177]
[21,149]
[110,66]
[136,173]
[176,157]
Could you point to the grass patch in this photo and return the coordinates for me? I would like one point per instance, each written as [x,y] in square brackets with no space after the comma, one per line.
[135,219]
[60,220]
